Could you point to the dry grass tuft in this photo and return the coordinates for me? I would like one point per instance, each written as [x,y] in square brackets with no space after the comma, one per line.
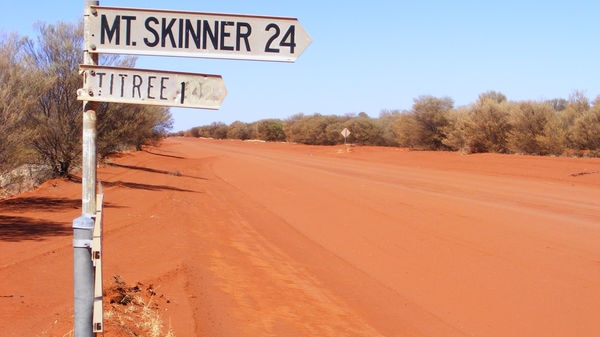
[134,310]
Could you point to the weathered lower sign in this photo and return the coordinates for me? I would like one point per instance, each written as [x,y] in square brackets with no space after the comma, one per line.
[139,86]
[194,34]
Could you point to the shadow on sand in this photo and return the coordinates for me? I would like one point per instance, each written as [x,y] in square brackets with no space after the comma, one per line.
[20,228]
[151,170]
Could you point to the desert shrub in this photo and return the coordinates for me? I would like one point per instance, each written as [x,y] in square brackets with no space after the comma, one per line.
[404,127]
[488,124]
[528,127]
[423,126]
[238,130]
[386,123]
[585,132]
[314,130]
[554,139]
[217,130]
[270,130]
[455,132]
[121,126]
[193,132]
[305,129]
[332,133]
[364,131]
[576,106]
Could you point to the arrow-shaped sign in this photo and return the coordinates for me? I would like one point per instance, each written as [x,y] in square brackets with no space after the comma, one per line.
[139,86]
[194,34]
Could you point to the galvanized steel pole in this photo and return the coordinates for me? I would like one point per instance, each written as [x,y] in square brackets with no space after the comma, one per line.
[83,276]
[83,226]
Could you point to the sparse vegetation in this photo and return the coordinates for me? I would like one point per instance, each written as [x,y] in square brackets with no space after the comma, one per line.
[491,124]
[134,310]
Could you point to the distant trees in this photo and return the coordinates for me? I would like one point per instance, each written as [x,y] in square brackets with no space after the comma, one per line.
[491,124]
[314,130]
[40,116]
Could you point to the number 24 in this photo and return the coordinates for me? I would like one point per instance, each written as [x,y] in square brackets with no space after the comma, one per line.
[288,39]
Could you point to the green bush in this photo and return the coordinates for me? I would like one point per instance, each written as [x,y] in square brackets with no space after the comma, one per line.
[270,130]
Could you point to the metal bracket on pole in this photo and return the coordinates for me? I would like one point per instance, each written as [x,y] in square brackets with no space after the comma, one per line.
[81,243]
[98,315]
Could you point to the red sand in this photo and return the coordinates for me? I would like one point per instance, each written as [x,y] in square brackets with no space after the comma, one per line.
[264,239]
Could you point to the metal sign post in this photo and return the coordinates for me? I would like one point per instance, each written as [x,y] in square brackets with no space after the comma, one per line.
[83,272]
[345,133]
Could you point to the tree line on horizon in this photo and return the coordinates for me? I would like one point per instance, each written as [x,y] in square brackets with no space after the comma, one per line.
[491,124]
[40,116]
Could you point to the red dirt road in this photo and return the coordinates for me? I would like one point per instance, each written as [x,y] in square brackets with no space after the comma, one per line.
[262,239]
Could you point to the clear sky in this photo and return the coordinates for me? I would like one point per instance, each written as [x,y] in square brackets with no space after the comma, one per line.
[370,56]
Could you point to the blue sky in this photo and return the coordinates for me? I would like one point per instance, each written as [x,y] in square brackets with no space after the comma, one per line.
[370,56]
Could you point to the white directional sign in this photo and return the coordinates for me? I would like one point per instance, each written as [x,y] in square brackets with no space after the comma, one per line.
[195,34]
[139,86]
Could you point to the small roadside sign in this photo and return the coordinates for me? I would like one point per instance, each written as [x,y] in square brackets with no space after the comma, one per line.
[345,132]
[139,86]
[194,34]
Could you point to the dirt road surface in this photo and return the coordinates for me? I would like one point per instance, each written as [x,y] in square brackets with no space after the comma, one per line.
[264,239]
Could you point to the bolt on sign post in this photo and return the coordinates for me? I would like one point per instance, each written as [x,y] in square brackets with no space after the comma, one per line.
[161,33]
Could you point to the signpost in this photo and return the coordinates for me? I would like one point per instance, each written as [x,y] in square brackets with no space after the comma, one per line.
[163,33]
[195,34]
[153,87]
[345,133]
